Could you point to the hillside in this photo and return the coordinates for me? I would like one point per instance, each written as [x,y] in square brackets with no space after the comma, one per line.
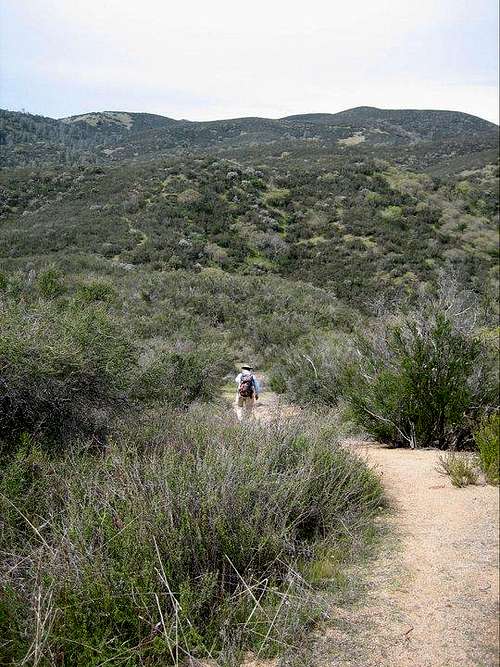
[352,260]
[116,136]
[351,222]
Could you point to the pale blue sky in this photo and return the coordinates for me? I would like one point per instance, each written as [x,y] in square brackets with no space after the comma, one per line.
[223,58]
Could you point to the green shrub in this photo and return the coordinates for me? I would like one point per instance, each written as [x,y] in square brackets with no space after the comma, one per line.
[185,373]
[422,382]
[459,467]
[487,442]
[60,367]
[278,197]
[96,290]
[50,282]
[186,538]
[312,372]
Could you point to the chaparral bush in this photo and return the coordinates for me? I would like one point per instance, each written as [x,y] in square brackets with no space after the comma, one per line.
[186,538]
[487,441]
[424,378]
[61,366]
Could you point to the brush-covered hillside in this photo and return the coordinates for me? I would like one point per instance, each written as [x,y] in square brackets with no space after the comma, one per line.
[351,258]
[116,136]
[359,222]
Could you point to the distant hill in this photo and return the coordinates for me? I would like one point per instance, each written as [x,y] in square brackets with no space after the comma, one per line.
[110,136]
[118,121]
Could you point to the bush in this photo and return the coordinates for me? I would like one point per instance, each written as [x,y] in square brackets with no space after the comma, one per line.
[185,373]
[50,282]
[60,367]
[487,442]
[423,381]
[96,290]
[185,539]
[312,373]
[459,467]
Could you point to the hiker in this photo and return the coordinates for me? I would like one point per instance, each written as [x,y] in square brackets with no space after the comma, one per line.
[247,393]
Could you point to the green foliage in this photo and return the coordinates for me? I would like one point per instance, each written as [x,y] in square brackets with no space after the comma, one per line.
[391,213]
[487,442]
[50,282]
[186,374]
[96,290]
[318,217]
[423,382]
[312,372]
[459,467]
[278,197]
[158,547]
[60,366]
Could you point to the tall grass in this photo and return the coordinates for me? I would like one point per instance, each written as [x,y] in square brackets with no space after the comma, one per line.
[187,538]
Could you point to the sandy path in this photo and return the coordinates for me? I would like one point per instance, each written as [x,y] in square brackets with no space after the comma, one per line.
[433,598]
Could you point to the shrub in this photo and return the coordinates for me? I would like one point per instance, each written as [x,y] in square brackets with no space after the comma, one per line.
[487,442]
[60,366]
[95,290]
[50,282]
[278,197]
[185,373]
[459,467]
[185,539]
[313,371]
[422,381]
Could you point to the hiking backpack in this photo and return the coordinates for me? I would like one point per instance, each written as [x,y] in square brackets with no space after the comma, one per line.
[246,388]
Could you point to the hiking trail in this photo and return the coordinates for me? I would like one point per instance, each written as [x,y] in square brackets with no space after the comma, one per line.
[431,594]
[432,599]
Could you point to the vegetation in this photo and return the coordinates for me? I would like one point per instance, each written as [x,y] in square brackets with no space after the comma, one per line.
[108,136]
[141,259]
[487,441]
[59,367]
[425,378]
[187,538]
[459,467]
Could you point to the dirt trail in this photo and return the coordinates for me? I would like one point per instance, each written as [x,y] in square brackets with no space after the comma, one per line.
[432,599]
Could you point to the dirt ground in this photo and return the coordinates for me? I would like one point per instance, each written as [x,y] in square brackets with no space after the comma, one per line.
[432,598]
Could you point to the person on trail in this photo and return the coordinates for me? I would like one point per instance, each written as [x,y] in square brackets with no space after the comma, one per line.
[247,393]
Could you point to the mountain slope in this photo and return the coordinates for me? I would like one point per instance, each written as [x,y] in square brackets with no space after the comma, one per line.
[114,135]
[421,125]
[119,121]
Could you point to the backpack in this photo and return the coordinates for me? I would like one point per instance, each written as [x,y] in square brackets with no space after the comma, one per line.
[246,388]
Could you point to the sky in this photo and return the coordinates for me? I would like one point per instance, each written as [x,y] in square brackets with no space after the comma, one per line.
[213,59]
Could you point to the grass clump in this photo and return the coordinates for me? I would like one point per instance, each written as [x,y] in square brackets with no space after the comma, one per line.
[188,538]
[459,467]
[487,442]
